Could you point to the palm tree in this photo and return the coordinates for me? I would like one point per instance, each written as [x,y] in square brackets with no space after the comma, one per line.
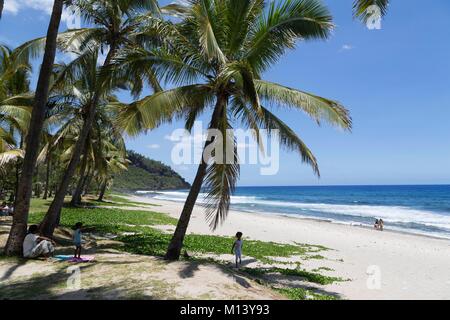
[114,22]
[20,220]
[2,2]
[110,156]
[15,105]
[219,51]
[15,111]
[105,151]
[360,8]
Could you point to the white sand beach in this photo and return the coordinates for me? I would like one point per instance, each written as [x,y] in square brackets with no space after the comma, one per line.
[409,266]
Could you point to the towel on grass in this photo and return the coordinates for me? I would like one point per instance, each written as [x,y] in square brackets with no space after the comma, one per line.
[70,258]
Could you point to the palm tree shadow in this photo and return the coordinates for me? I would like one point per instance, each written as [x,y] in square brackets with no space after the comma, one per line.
[188,270]
[298,282]
[246,262]
[13,268]
[242,281]
[37,286]
[43,286]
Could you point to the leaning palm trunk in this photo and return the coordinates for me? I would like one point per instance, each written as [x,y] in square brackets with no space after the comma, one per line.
[48,225]
[18,165]
[76,197]
[47,176]
[176,244]
[102,191]
[20,220]
[17,176]
[87,183]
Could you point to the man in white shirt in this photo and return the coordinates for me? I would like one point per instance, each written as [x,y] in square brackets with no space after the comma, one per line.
[36,246]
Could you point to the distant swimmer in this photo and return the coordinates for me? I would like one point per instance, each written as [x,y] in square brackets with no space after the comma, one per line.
[379,224]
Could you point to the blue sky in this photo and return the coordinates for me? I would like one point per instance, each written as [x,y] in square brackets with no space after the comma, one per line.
[395,81]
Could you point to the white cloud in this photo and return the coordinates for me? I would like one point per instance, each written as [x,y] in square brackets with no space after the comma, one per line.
[11,7]
[346,47]
[44,6]
[186,138]
[14,6]
[153,146]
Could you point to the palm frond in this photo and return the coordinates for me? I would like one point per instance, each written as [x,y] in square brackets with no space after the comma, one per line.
[222,174]
[10,155]
[289,139]
[318,108]
[161,107]
[204,18]
[283,24]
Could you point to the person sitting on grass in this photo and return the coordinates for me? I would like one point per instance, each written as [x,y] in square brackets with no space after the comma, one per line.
[77,238]
[237,249]
[35,246]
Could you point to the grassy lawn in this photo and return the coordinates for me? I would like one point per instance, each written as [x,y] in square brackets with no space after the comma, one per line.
[134,229]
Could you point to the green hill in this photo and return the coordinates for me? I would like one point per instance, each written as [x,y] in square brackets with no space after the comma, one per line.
[147,174]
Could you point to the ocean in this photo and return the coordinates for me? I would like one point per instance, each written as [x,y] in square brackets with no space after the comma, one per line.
[414,209]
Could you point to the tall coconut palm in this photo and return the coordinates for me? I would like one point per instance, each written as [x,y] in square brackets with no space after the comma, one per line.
[113,24]
[360,8]
[104,151]
[218,52]
[20,220]
[110,156]
[15,105]
[15,109]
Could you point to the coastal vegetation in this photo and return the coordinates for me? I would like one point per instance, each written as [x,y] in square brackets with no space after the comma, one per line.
[146,174]
[138,232]
[216,53]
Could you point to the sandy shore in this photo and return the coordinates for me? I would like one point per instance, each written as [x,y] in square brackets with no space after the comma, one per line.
[381,265]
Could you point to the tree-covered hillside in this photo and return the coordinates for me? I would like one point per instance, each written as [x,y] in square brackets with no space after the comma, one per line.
[146,174]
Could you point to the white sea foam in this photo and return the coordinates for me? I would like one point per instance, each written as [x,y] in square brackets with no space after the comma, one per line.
[390,214]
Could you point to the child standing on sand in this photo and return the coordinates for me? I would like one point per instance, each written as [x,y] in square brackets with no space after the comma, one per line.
[77,237]
[237,249]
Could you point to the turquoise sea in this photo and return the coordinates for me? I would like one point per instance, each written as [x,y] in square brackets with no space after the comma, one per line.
[414,209]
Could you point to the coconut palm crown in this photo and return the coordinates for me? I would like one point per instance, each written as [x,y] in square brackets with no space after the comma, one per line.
[216,56]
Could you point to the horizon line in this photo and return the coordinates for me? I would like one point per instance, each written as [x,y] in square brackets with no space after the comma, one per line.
[350,185]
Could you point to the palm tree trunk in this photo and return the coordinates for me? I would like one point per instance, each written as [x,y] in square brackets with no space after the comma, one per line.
[48,224]
[76,197]
[176,244]
[174,250]
[87,182]
[2,2]
[20,220]
[47,176]
[16,187]
[18,165]
[102,191]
